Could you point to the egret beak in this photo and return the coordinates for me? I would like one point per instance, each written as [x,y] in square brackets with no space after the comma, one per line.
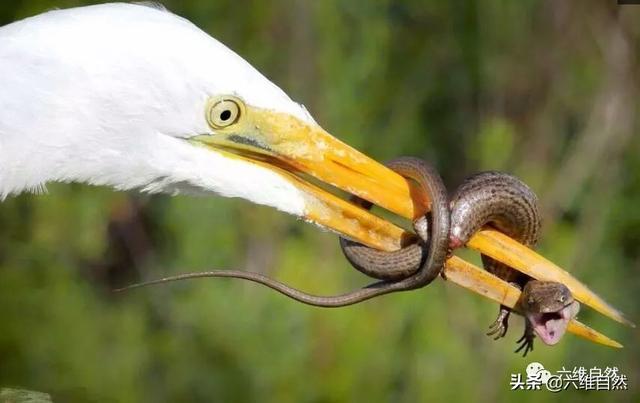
[297,150]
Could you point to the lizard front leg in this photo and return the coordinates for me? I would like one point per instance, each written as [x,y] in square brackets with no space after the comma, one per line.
[526,341]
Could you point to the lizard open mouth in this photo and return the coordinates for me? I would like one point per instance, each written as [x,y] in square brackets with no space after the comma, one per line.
[551,326]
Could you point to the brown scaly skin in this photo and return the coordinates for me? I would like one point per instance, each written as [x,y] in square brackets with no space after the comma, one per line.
[548,307]
[507,204]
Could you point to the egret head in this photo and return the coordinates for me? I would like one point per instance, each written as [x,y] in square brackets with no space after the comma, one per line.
[132,96]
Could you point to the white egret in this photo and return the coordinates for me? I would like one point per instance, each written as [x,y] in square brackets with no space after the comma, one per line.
[135,97]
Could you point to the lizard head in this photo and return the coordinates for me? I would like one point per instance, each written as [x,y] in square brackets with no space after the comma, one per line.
[548,306]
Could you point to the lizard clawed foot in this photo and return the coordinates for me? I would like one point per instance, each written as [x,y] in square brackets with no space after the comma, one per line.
[526,341]
[500,326]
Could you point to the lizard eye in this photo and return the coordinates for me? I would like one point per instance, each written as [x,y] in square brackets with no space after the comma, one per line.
[561,298]
[531,300]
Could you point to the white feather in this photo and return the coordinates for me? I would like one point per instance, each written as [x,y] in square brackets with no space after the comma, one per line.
[106,94]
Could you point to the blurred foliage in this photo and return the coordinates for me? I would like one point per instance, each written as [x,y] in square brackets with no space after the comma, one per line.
[545,89]
[23,396]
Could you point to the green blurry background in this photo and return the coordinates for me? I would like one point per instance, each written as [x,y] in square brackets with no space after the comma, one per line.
[547,90]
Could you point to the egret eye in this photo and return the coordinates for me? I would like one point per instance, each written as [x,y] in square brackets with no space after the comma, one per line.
[223,113]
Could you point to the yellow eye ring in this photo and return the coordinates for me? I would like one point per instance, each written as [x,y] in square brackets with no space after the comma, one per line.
[224,111]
